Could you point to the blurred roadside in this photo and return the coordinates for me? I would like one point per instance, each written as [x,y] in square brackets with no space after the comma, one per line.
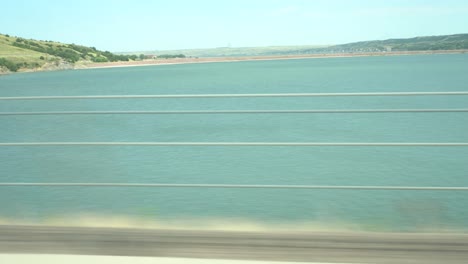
[339,247]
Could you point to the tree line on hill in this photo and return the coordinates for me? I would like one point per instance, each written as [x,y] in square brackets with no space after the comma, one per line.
[71,52]
[11,66]
[171,56]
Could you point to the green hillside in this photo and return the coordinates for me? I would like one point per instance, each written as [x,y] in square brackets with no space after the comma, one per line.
[12,57]
[18,53]
[446,42]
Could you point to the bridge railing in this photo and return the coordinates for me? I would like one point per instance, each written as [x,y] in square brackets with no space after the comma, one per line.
[238,144]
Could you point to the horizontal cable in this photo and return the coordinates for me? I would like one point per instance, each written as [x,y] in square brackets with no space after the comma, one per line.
[243,186]
[230,95]
[313,111]
[246,144]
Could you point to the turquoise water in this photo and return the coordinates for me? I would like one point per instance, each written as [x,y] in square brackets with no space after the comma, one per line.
[368,210]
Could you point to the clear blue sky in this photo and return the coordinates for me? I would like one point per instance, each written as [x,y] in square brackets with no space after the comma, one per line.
[137,25]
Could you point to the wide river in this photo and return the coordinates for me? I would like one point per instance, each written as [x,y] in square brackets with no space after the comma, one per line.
[374,210]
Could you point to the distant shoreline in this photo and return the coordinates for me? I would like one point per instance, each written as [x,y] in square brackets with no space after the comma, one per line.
[257,58]
[196,60]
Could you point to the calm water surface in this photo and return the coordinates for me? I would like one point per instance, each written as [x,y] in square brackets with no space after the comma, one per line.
[368,210]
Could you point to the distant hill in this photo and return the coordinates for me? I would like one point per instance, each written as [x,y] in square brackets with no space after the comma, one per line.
[234,52]
[18,53]
[446,42]
[432,43]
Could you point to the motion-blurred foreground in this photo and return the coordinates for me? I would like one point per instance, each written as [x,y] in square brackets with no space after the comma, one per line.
[304,247]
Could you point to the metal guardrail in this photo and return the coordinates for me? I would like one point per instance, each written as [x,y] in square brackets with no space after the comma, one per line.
[233,186]
[198,112]
[243,144]
[232,95]
[239,144]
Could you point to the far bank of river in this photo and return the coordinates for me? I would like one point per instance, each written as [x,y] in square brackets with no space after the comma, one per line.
[151,62]
[260,58]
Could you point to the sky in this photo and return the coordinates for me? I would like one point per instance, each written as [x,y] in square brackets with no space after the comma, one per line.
[137,25]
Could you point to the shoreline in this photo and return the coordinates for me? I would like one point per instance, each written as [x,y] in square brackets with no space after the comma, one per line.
[178,61]
[83,65]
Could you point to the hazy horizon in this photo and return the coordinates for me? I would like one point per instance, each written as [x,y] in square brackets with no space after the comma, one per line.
[272,46]
[125,26]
